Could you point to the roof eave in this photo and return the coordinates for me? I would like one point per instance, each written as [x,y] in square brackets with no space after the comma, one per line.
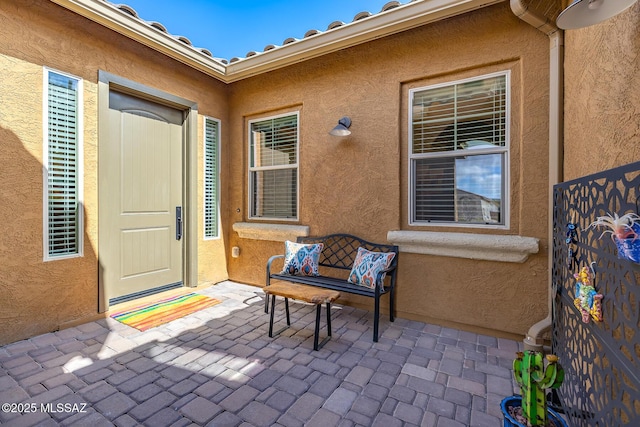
[117,20]
[404,17]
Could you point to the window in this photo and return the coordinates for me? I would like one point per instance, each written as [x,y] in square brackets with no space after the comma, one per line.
[273,167]
[62,160]
[211,187]
[459,152]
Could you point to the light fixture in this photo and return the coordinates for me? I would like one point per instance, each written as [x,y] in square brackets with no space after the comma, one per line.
[582,13]
[342,128]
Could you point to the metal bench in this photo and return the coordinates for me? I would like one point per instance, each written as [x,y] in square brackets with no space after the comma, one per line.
[338,253]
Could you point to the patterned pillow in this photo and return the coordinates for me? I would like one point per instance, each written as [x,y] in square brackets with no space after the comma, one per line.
[301,259]
[367,265]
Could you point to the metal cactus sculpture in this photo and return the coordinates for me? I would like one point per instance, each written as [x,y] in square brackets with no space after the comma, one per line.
[533,378]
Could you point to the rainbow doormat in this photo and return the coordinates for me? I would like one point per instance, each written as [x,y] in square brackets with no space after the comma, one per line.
[157,313]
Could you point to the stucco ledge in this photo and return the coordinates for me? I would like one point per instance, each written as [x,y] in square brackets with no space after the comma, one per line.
[272,232]
[504,248]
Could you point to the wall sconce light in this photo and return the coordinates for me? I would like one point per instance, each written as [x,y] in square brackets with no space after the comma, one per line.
[582,13]
[342,128]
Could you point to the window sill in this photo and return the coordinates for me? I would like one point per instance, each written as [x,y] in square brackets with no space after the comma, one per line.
[272,232]
[488,247]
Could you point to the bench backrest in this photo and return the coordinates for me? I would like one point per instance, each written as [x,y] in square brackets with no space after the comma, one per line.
[340,250]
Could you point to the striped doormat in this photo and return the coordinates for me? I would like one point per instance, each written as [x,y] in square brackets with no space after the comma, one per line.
[160,312]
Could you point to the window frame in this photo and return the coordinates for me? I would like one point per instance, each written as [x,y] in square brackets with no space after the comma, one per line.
[251,169]
[503,151]
[79,163]
[215,234]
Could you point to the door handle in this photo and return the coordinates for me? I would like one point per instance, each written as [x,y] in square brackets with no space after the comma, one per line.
[178,222]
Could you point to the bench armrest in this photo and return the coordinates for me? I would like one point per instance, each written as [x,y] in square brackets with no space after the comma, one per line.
[381,274]
[271,259]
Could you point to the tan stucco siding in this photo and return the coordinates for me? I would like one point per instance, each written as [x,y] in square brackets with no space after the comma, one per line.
[359,184]
[602,95]
[355,185]
[35,293]
[39,296]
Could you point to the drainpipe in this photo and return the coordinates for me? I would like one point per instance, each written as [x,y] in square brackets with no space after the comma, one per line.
[534,339]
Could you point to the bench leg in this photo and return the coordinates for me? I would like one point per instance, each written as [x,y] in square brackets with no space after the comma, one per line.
[329,319]
[317,332]
[376,319]
[273,303]
[273,313]
[286,307]
[392,305]
[266,304]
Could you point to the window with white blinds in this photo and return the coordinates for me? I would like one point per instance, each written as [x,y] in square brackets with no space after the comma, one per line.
[211,176]
[62,149]
[273,167]
[459,152]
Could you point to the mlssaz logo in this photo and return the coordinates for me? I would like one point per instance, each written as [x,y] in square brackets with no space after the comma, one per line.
[63,407]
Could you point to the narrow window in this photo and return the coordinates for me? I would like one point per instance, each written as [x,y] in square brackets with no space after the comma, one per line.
[211,177]
[62,160]
[459,152]
[273,167]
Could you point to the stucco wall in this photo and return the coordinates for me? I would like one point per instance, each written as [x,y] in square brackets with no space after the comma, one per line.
[359,184]
[37,297]
[602,95]
[356,185]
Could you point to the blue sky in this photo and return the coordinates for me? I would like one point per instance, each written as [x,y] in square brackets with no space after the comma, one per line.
[231,28]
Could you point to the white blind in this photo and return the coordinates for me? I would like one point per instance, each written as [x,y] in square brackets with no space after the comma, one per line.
[211,161]
[459,152]
[62,165]
[274,167]
[457,116]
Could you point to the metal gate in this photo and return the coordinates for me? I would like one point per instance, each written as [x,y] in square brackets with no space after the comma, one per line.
[601,359]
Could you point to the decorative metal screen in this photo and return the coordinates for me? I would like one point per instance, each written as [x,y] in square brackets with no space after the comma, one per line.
[601,359]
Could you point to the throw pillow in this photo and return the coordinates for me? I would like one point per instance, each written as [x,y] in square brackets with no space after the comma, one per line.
[367,265]
[301,259]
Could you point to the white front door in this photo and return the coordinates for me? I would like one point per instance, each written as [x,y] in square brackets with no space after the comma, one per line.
[141,243]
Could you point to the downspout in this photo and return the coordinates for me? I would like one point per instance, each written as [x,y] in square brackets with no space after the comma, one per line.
[534,339]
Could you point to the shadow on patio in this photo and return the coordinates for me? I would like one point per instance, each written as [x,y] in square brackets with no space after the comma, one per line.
[219,367]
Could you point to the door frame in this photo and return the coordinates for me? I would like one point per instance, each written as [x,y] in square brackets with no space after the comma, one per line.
[107,82]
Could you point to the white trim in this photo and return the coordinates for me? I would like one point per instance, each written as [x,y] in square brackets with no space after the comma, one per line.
[506,150]
[45,162]
[489,247]
[217,178]
[463,81]
[251,169]
[107,14]
[401,18]
[271,232]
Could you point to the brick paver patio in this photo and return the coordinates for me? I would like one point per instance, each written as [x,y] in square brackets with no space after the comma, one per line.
[218,367]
